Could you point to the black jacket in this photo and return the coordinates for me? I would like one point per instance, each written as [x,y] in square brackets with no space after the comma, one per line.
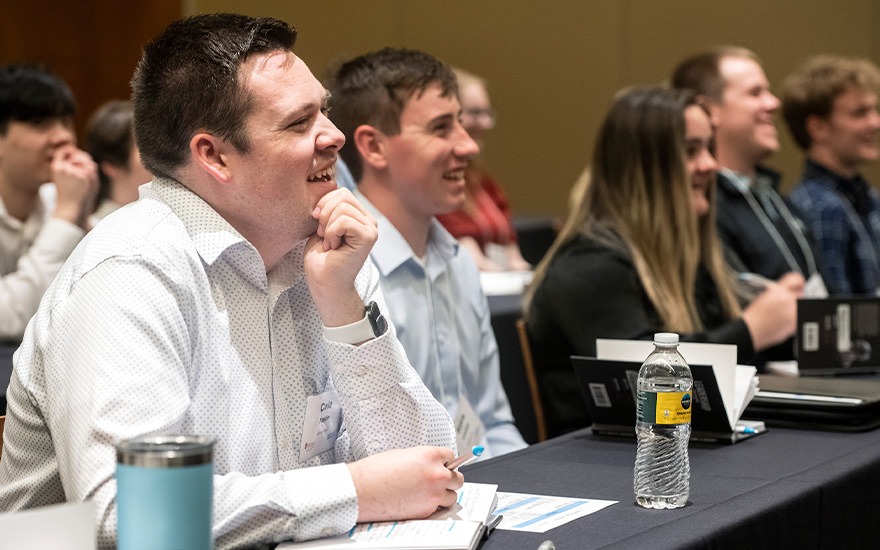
[591,292]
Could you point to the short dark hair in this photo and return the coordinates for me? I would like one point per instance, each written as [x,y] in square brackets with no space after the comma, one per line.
[812,89]
[188,80]
[110,138]
[374,88]
[701,73]
[32,93]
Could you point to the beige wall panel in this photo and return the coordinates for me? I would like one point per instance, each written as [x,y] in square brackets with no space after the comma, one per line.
[553,66]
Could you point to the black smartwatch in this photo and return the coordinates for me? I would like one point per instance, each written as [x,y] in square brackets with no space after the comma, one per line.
[377,320]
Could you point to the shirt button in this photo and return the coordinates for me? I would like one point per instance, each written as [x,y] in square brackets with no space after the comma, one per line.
[327,531]
[375,443]
[361,370]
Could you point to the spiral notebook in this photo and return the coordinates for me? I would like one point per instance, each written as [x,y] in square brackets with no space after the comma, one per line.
[460,527]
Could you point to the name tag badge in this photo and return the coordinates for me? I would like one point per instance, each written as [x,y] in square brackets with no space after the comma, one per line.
[469,430]
[815,287]
[321,425]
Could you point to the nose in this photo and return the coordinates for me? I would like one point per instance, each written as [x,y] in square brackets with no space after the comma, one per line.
[772,102]
[707,162]
[465,146]
[329,136]
[874,118]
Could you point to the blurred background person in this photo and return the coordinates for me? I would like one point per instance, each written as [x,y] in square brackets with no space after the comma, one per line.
[110,141]
[39,224]
[483,225]
[830,105]
[640,253]
[760,232]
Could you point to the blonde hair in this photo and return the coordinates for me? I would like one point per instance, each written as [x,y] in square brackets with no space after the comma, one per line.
[638,201]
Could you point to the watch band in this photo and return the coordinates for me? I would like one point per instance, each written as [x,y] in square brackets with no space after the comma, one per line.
[371,326]
[355,333]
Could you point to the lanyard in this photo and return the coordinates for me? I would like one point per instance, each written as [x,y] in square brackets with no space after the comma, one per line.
[741,183]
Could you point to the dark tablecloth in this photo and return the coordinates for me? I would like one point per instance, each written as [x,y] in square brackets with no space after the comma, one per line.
[783,489]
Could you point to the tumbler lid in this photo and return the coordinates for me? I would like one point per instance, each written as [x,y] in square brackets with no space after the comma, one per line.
[165,451]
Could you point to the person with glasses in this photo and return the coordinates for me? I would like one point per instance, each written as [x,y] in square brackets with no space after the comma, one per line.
[483,225]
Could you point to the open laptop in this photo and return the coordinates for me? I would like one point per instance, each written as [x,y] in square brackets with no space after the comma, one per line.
[838,335]
[609,388]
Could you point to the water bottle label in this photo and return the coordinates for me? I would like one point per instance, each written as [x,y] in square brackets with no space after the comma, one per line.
[664,407]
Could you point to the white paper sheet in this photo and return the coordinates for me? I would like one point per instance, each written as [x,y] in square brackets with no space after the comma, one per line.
[69,526]
[538,514]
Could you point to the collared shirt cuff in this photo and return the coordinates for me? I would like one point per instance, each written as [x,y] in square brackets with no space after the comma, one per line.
[365,371]
[325,500]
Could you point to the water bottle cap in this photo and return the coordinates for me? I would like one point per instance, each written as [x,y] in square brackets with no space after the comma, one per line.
[666,338]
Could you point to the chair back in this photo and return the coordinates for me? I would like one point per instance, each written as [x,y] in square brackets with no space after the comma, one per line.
[534,390]
[2,425]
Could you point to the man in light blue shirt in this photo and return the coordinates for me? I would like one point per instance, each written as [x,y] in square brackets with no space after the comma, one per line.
[408,151]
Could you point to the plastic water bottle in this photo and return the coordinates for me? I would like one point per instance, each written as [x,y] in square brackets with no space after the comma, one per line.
[663,426]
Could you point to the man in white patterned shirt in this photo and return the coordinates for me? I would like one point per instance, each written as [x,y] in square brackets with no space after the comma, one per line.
[230,302]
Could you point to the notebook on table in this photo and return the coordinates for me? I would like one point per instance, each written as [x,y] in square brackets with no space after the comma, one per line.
[460,527]
[609,388]
[841,404]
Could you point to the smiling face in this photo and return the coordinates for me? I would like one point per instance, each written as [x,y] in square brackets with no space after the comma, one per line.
[26,151]
[427,158]
[293,147]
[849,133]
[701,165]
[746,133]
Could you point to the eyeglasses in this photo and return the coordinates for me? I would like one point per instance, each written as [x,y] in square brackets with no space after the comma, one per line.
[485,117]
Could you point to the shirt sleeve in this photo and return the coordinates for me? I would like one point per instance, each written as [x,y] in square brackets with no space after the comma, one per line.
[491,404]
[98,400]
[613,304]
[385,404]
[21,290]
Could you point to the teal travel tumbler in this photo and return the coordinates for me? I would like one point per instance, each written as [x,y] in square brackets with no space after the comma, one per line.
[164,493]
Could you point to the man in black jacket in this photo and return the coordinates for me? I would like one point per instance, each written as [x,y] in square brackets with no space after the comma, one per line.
[762,234]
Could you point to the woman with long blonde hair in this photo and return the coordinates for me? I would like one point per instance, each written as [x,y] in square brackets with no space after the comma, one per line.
[639,253]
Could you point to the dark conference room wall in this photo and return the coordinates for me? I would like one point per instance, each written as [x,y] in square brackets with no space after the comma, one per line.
[552,67]
[94,45]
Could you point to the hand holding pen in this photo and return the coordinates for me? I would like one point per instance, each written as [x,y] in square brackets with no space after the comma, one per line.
[461,460]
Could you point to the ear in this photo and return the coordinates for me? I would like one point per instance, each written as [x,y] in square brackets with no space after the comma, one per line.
[370,143]
[113,171]
[210,154]
[817,128]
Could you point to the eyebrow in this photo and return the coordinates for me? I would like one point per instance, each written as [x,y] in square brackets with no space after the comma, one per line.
[443,118]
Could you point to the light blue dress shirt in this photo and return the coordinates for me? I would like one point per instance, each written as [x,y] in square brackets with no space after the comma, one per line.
[442,319]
